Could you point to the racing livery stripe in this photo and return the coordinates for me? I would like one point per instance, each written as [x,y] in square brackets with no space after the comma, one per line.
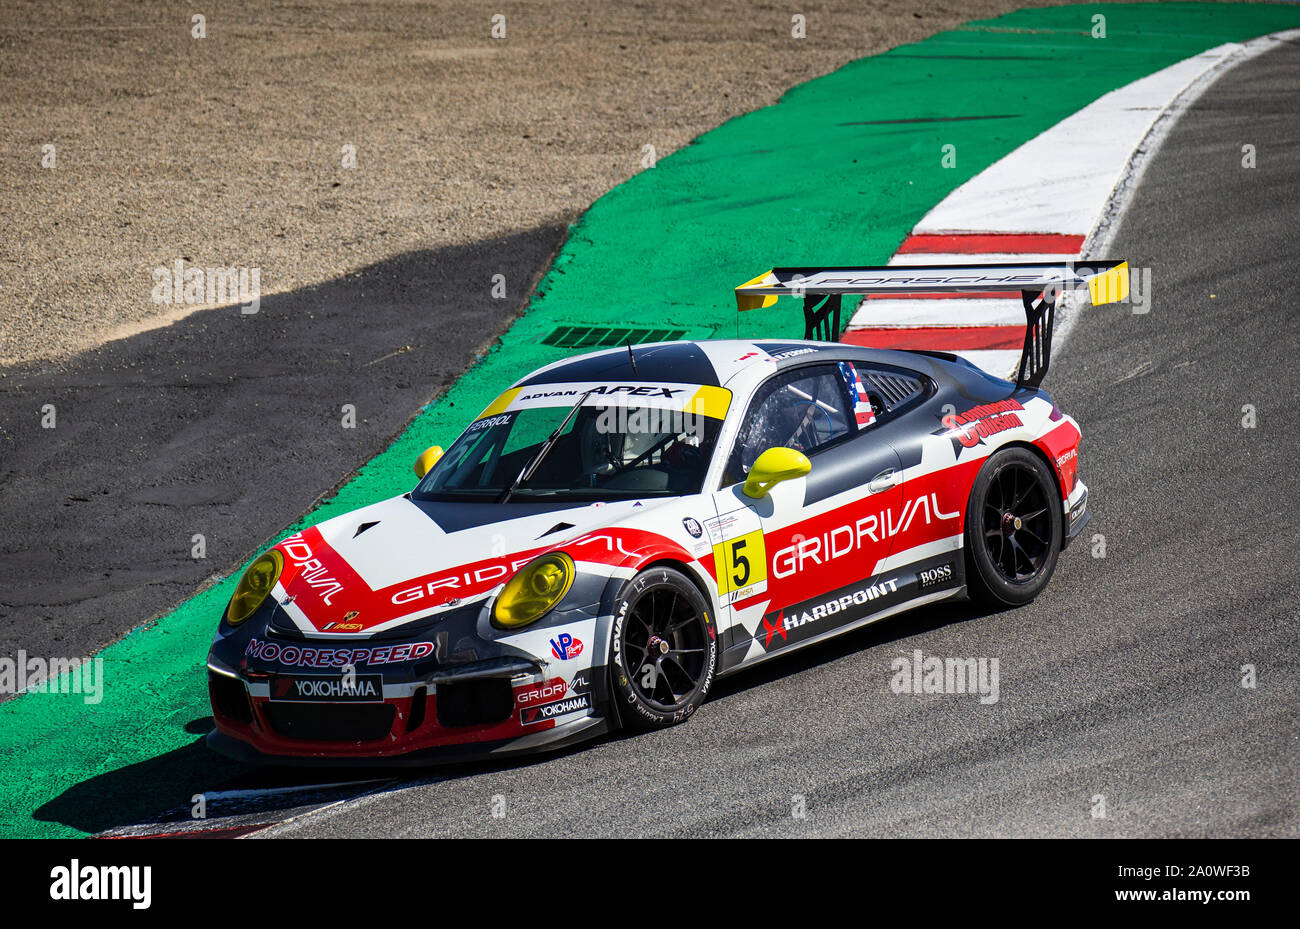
[1061,447]
[849,542]
[860,598]
[846,544]
[678,396]
[329,595]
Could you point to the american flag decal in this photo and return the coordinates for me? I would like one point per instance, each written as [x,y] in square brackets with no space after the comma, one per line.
[862,409]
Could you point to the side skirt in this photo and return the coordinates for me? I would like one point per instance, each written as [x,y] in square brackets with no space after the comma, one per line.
[919,601]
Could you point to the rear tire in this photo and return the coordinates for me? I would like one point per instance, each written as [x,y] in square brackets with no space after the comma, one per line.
[1013,529]
[663,650]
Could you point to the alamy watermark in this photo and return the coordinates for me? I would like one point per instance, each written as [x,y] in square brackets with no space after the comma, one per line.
[75,881]
[648,420]
[35,675]
[930,674]
[208,286]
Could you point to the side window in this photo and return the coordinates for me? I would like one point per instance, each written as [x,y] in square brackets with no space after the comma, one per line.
[805,409]
[878,390]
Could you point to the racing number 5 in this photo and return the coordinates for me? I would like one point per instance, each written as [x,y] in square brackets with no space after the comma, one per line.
[740,562]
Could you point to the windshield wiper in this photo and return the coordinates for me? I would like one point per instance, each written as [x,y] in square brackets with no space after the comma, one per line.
[529,469]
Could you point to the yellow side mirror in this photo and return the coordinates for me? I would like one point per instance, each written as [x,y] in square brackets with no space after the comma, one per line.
[428,458]
[772,467]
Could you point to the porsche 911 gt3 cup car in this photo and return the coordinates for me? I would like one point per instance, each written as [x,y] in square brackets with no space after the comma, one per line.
[617,530]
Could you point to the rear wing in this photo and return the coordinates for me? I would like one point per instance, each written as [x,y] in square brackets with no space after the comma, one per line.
[1039,284]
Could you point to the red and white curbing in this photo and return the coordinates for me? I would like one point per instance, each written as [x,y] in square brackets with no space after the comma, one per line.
[986,329]
[1042,202]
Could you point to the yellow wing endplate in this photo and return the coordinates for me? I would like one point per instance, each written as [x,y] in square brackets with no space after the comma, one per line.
[1110,286]
[750,301]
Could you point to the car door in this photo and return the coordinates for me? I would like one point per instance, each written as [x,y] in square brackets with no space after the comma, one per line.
[784,562]
[925,526]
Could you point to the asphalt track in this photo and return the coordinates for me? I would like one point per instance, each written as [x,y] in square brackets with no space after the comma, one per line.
[1123,682]
[148,732]
[221,425]
[228,425]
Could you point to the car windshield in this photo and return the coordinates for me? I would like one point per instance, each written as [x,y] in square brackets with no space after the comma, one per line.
[606,451]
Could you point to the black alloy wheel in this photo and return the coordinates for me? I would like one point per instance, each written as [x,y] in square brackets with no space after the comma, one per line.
[664,649]
[1013,528]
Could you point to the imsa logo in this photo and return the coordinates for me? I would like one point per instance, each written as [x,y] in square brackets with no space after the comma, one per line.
[347,625]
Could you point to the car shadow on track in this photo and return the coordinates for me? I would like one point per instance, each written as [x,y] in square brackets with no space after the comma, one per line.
[135,792]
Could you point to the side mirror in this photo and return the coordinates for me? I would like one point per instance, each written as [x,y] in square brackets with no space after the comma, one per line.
[772,467]
[428,458]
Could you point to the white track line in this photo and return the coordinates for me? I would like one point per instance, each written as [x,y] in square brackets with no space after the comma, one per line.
[954,311]
[993,359]
[1074,179]
[1059,181]
[945,258]
[1098,243]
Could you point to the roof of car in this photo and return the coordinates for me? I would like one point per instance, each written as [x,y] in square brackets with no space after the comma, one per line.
[712,363]
[666,362]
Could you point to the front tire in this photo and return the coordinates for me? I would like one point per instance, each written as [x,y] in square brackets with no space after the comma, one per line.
[1013,529]
[664,649]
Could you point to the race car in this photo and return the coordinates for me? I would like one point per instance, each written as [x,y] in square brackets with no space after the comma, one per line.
[617,530]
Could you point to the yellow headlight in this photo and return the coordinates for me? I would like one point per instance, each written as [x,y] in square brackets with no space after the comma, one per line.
[538,586]
[254,586]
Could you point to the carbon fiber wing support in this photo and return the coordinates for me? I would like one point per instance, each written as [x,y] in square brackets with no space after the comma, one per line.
[1040,316]
[821,317]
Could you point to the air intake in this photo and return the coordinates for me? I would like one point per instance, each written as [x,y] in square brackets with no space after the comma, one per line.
[894,389]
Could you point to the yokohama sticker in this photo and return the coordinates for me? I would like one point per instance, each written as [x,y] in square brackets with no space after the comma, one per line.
[537,714]
[361,688]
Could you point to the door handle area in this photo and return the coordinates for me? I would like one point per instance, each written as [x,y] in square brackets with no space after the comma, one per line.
[884,480]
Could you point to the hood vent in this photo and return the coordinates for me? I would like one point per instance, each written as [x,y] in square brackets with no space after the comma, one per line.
[590,337]
[363,527]
[558,527]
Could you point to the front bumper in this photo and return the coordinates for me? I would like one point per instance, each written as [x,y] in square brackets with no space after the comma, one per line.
[447,691]
[244,751]
[1077,514]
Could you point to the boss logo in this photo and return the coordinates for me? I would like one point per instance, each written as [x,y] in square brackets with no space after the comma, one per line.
[933,577]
